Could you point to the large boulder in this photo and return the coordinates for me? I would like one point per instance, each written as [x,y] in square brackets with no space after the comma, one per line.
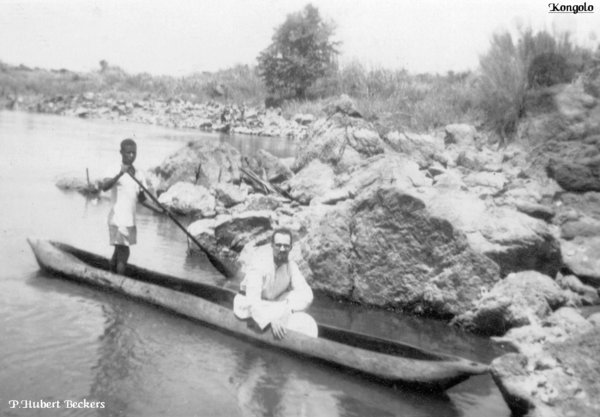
[186,198]
[515,241]
[201,162]
[341,142]
[513,302]
[385,248]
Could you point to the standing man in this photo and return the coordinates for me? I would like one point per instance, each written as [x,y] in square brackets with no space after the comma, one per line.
[125,193]
[276,292]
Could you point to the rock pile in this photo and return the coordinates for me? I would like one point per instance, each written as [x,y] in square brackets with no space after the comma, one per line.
[210,116]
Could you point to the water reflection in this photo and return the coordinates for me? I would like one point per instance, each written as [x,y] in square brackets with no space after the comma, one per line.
[271,384]
[433,335]
[116,368]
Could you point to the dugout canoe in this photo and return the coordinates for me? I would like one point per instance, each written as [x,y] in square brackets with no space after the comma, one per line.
[384,360]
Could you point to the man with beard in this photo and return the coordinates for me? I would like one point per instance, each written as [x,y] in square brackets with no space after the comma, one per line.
[276,292]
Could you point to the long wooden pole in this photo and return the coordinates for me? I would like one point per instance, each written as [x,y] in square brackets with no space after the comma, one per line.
[219,266]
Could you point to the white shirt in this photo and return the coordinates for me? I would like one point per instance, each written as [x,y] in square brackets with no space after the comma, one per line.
[123,197]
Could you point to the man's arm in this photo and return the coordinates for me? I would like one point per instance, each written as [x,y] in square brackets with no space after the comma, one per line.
[301,295]
[109,182]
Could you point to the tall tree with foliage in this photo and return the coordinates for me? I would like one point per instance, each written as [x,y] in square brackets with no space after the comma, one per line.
[302,52]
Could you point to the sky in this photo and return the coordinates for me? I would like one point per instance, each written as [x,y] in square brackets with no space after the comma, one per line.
[179,37]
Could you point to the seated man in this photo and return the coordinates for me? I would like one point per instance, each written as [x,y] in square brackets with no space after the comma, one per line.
[276,292]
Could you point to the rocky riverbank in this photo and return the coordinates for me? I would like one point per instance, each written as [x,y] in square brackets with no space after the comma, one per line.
[502,241]
[210,116]
[440,225]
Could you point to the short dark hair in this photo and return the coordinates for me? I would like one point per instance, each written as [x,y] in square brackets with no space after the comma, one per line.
[282,231]
[127,142]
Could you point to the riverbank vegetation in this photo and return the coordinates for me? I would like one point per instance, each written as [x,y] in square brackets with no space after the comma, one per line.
[492,97]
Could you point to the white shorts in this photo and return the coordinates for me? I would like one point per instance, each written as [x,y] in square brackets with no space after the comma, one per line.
[125,236]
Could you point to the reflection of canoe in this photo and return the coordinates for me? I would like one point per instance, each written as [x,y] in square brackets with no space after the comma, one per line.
[383,360]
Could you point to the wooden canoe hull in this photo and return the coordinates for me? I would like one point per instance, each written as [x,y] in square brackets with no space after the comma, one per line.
[433,373]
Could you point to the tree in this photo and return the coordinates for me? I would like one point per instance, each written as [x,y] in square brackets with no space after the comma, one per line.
[302,52]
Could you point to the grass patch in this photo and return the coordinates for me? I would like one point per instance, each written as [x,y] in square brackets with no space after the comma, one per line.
[238,84]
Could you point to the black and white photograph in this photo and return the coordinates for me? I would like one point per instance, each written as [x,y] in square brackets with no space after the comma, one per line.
[299,208]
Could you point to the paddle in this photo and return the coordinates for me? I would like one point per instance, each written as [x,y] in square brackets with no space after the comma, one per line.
[219,266]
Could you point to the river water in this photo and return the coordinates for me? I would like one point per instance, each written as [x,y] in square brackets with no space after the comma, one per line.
[60,341]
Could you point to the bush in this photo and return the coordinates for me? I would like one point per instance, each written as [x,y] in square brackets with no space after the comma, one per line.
[548,69]
[510,69]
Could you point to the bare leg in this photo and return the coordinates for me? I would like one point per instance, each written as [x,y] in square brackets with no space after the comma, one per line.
[118,262]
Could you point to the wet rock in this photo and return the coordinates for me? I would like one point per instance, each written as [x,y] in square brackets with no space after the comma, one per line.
[513,302]
[186,198]
[580,256]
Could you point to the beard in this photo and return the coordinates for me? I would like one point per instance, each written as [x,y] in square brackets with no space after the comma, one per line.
[281,258]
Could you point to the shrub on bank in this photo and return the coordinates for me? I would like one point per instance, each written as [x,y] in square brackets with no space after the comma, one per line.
[510,69]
